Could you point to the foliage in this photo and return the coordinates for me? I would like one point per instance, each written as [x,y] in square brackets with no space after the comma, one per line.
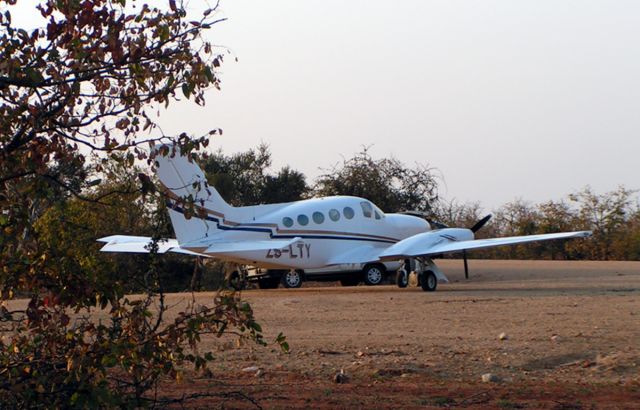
[76,93]
[613,217]
[66,228]
[242,179]
[386,182]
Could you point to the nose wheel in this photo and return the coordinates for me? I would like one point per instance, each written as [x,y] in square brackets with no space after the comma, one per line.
[402,278]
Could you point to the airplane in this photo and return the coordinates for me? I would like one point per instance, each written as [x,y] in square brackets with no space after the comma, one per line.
[290,238]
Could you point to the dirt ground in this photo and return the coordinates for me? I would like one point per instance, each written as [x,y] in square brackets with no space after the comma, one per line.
[571,341]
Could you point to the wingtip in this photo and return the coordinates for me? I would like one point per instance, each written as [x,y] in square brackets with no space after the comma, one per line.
[105,239]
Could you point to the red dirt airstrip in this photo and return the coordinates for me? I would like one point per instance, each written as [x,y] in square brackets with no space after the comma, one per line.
[571,341]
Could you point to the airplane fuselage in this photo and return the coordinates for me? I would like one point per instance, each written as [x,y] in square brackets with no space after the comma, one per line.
[313,233]
[324,226]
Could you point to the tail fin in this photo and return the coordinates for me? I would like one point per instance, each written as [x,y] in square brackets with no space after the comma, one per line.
[183,179]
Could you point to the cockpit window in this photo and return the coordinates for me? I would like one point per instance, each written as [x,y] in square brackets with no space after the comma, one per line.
[288,222]
[377,214]
[303,219]
[334,215]
[367,209]
[318,217]
[348,212]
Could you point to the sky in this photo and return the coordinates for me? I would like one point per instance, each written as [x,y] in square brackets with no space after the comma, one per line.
[507,99]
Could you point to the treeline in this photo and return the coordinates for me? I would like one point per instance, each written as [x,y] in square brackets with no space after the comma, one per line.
[69,227]
[613,217]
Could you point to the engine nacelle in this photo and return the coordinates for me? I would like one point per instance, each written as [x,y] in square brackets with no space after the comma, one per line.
[422,243]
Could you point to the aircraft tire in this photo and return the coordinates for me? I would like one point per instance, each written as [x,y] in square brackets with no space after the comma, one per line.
[402,279]
[291,279]
[373,274]
[428,281]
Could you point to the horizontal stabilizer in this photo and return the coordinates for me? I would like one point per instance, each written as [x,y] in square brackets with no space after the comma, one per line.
[140,244]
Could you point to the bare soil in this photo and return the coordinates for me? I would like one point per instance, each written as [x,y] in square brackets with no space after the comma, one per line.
[571,340]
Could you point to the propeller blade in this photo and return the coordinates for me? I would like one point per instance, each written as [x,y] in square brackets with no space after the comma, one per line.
[436,224]
[475,228]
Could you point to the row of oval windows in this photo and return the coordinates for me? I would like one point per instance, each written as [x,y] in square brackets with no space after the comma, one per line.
[318,217]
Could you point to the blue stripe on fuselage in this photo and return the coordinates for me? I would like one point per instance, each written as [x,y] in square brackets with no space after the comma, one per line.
[281,236]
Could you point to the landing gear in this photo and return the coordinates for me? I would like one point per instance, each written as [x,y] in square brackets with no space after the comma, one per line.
[428,281]
[402,278]
[373,274]
[292,279]
[428,274]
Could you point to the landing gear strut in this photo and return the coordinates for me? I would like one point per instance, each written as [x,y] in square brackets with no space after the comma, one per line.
[428,274]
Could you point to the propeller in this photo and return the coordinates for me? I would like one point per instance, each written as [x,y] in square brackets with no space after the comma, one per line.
[475,228]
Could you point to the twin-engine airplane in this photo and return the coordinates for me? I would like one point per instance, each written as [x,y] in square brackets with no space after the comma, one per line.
[308,234]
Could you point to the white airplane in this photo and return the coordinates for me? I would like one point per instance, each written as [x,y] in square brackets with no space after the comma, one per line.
[307,234]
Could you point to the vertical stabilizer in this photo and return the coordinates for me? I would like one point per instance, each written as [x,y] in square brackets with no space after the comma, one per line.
[183,178]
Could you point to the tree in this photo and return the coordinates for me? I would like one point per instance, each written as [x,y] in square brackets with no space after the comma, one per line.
[76,93]
[243,179]
[607,215]
[386,182]
[555,216]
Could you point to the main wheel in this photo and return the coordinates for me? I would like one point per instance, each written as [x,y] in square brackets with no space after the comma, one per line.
[402,278]
[429,282]
[292,279]
[349,282]
[373,274]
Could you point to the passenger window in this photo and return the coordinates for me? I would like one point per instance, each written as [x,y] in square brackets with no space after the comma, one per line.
[367,209]
[288,222]
[348,212]
[334,215]
[318,217]
[303,219]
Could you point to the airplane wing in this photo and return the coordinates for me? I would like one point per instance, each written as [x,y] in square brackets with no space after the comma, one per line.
[438,242]
[361,254]
[141,244]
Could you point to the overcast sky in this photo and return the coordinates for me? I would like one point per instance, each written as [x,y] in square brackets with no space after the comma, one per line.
[507,99]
